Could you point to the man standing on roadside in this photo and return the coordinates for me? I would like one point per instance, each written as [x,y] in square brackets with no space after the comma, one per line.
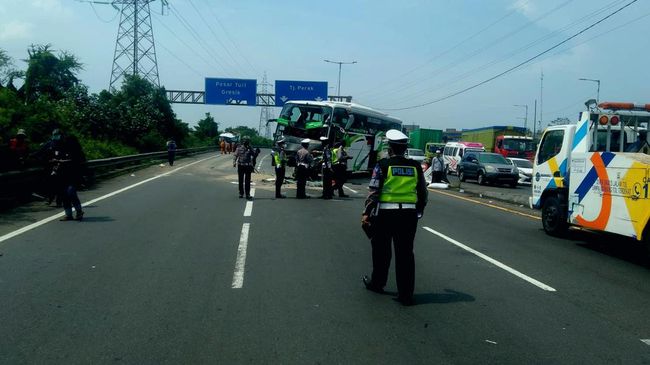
[437,167]
[243,160]
[304,160]
[171,151]
[280,163]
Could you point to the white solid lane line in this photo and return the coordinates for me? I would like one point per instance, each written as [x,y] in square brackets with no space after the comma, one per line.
[646,341]
[240,264]
[59,215]
[505,267]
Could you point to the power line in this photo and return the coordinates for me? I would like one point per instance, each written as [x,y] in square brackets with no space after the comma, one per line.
[186,44]
[465,58]
[230,38]
[197,37]
[215,35]
[117,13]
[508,56]
[180,59]
[445,52]
[516,66]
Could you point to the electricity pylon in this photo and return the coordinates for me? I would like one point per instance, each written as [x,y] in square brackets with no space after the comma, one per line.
[135,49]
[265,114]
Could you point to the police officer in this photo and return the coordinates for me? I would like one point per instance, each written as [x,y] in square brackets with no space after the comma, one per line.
[243,159]
[396,201]
[327,169]
[280,163]
[340,167]
[304,160]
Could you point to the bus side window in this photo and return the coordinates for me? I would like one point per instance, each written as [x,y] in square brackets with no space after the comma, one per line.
[341,117]
[550,146]
[460,153]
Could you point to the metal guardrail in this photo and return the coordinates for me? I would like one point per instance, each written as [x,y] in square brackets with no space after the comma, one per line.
[16,183]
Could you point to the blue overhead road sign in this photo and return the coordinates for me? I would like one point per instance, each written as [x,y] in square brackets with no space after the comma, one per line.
[230,91]
[299,90]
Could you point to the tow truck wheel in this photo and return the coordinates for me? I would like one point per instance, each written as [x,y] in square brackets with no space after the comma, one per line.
[554,217]
[481,178]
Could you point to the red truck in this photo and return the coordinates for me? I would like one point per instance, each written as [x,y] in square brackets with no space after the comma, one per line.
[509,141]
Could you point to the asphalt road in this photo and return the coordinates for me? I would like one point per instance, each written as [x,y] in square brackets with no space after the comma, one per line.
[178,269]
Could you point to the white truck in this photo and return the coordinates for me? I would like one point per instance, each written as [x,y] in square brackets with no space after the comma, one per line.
[595,173]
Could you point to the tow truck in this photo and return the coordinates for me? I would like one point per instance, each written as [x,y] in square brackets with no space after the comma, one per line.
[595,173]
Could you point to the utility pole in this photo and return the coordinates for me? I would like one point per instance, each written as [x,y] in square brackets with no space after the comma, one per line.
[597,90]
[541,100]
[535,121]
[525,118]
[135,49]
[340,64]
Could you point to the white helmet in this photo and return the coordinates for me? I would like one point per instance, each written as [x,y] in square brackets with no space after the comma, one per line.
[396,137]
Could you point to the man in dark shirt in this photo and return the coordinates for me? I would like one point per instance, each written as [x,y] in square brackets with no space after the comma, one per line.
[243,160]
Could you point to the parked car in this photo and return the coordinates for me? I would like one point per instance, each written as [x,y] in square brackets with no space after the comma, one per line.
[487,167]
[415,154]
[525,168]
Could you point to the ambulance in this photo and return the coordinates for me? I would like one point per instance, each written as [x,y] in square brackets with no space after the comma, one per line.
[595,174]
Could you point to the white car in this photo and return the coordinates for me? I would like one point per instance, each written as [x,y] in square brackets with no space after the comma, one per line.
[525,168]
[415,154]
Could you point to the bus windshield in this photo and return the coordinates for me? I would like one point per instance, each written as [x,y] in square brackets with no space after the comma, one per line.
[304,117]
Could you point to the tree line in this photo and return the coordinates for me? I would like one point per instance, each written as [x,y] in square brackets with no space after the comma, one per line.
[136,118]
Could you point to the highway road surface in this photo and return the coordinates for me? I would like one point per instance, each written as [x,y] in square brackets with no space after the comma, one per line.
[171,267]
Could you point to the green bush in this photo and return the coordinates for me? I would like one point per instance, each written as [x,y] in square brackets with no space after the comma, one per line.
[96,149]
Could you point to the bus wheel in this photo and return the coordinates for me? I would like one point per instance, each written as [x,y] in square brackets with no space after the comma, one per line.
[461,175]
[554,218]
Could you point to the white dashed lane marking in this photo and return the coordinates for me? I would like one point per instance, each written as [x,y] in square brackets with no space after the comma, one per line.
[240,264]
[499,264]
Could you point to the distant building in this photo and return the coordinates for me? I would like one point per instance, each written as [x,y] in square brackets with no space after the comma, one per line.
[451,134]
[408,128]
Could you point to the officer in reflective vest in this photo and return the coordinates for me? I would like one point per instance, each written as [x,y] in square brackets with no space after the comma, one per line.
[396,201]
[327,169]
[280,163]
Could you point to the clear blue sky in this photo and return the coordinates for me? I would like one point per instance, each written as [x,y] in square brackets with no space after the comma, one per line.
[409,52]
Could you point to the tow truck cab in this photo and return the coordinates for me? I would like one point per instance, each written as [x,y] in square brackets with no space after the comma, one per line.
[595,173]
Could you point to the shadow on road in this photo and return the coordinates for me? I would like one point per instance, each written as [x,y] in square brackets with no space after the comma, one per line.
[620,247]
[92,219]
[449,296]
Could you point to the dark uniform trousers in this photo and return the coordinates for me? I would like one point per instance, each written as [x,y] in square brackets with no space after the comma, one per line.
[301,181]
[340,177]
[244,174]
[396,226]
[279,179]
[327,183]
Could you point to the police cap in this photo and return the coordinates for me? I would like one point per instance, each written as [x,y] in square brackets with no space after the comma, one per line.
[280,141]
[396,137]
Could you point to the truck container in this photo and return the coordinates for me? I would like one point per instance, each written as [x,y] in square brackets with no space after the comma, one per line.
[420,137]
[508,141]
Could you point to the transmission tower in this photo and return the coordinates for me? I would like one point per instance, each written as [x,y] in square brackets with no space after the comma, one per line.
[135,49]
[265,114]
